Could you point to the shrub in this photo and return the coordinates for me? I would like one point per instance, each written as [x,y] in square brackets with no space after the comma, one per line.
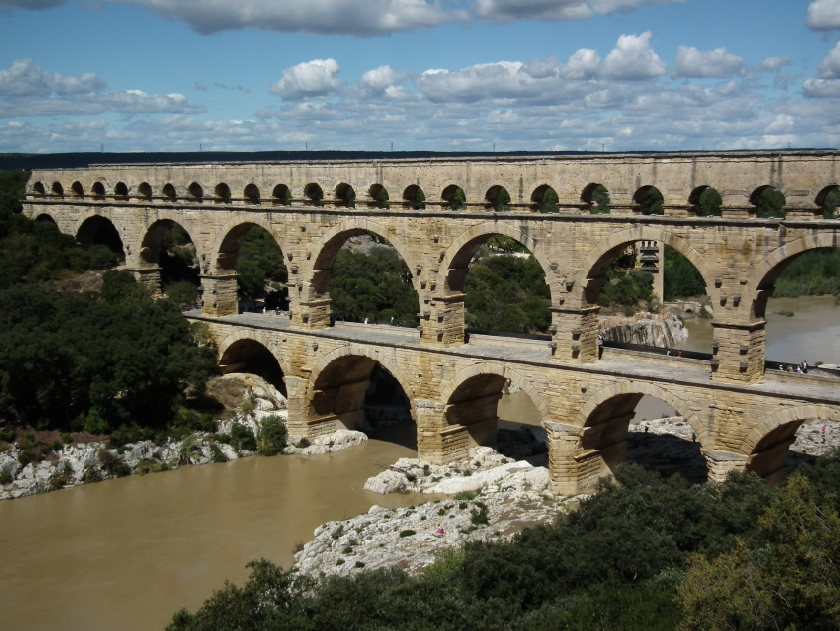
[407,533]
[478,514]
[243,438]
[271,437]
[5,477]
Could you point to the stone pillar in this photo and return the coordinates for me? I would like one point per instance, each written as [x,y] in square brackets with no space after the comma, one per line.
[149,278]
[220,294]
[738,352]
[437,442]
[308,309]
[297,407]
[735,204]
[575,334]
[442,320]
[566,461]
[720,463]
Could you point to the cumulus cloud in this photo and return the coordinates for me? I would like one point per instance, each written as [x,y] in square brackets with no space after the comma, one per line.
[27,89]
[829,68]
[824,15]
[827,82]
[341,17]
[633,59]
[310,79]
[26,78]
[708,64]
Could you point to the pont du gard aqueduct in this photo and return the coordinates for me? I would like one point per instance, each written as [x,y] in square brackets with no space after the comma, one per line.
[744,417]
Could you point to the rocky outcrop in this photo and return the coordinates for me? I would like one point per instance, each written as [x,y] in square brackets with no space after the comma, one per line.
[662,331]
[495,498]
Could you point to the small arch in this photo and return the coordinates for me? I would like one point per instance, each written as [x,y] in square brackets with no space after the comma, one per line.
[498,199]
[595,198]
[454,198]
[252,195]
[222,194]
[247,355]
[648,200]
[77,190]
[378,197]
[413,198]
[98,190]
[281,195]
[345,196]
[120,190]
[57,189]
[705,201]
[144,191]
[829,200]
[315,194]
[544,199]
[196,193]
[169,193]
[768,202]
[38,189]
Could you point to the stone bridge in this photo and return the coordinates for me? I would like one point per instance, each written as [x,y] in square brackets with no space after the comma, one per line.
[436,213]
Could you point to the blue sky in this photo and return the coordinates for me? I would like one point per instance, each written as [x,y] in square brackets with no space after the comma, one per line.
[431,75]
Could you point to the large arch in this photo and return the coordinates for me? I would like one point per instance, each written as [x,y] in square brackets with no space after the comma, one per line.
[330,243]
[95,229]
[599,258]
[454,262]
[236,350]
[226,247]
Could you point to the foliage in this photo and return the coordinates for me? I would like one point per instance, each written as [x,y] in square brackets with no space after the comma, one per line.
[626,288]
[243,438]
[70,361]
[550,202]
[815,272]
[709,203]
[682,280]
[769,202]
[260,262]
[507,294]
[271,437]
[651,202]
[600,201]
[375,286]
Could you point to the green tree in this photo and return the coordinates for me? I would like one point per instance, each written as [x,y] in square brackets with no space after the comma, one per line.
[769,202]
[709,203]
[651,201]
[550,202]
[600,201]
[682,280]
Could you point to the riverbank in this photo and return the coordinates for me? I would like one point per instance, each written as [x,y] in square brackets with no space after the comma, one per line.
[88,459]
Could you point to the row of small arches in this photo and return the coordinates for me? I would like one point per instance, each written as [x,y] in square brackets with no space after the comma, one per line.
[703,200]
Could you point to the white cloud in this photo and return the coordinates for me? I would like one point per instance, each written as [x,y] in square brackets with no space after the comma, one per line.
[829,68]
[310,79]
[26,78]
[382,80]
[633,59]
[347,17]
[827,82]
[27,90]
[717,63]
[824,15]
[583,64]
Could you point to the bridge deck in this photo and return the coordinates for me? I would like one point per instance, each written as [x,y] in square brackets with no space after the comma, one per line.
[620,363]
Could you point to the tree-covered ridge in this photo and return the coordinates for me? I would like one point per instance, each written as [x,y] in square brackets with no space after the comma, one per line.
[645,553]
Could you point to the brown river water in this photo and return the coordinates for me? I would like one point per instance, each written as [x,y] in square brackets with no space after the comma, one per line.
[126,554]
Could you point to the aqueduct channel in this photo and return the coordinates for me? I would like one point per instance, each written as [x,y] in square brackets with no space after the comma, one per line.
[436,212]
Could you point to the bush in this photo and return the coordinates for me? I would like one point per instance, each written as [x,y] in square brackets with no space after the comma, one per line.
[242,438]
[5,477]
[271,437]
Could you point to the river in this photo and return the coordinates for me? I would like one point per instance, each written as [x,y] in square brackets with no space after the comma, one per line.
[126,554]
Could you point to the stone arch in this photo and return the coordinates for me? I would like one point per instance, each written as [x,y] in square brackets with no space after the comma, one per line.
[377,196]
[281,195]
[414,198]
[120,190]
[252,194]
[767,444]
[588,198]
[314,192]
[97,190]
[144,191]
[77,190]
[822,198]
[646,198]
[226,247]
[195,192]
[640,388]
[502,370]
[222,194]
[38,189]
[694,200]
[450,197]
[454,263]
[755,198]
[595,264]
[327,247]
[345,196]
[338,384]
[169,193]
[57,190]
[497,199]
[769,269]
[255,336]
[545,199]
[150,243]
[46,216]
[94,228]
